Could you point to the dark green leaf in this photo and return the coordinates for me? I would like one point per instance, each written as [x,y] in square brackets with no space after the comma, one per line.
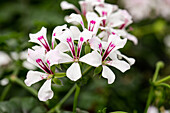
[97,70]
[57,81]
[87,49]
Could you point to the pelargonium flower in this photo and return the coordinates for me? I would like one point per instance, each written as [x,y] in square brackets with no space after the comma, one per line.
[93,21]
[67,39]
[142,6]
[116,22]
[86,6]
[36,56]
[110,55]
[40,38]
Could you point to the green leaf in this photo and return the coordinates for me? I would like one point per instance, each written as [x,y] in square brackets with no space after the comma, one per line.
[97,70]
[59,75]
[118,112]
[57,81]
[22,105]
[87,49]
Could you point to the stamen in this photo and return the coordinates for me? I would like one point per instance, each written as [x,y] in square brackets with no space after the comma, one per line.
[80,46]
[54,34]
[108,50]
[100,48]
[113,33]
[45,44]
[43,66]
[91,25]
[71,45]
[124,25]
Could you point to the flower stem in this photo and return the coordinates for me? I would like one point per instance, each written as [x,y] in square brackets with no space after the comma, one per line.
[76,98]
[21,83]
[159,65]
[163,80]
[57,107]
[5,91]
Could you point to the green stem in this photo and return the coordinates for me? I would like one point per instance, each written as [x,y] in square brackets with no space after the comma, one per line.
[163,80]
[76,98]
[87,70]
[159,65]
[5,92]
[21,83]
[163,84]
[57,107]
[8,87]
[150,95]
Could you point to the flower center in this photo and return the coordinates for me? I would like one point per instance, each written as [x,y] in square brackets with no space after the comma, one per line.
[44,43]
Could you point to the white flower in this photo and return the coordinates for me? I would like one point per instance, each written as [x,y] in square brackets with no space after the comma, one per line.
[4,82]
[120,19]
[37,57]
[40,38]
[4,58]
[67,39]
[86,6]
[152,109]
[139,9]
[111,56]
[93,21]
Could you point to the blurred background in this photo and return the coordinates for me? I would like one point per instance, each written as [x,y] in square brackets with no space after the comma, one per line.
[128,93]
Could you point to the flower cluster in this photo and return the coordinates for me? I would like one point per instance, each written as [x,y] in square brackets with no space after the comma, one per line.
[147,8]
[103,29]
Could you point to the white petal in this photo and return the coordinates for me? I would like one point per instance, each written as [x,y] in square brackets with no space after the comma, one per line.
[33,55]
[108,8]
[93,16]
[65,58]
[86,6]
[93,59]
[76,32]
[53,56]
[4,58]
[132,38]
[4,81]
[108,74]
[86,35]
[75,18]
[117,41]
[23,55]
[33,77]
[65,5]
[94,43]
[45,91]
[66,34]
[103,35]
[115,19]
[74,72]
[131,61]
[121,65]
[62,47]
[28,65]
[34,37]
[57,32]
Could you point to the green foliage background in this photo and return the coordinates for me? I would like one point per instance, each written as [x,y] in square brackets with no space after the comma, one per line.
[128,93]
